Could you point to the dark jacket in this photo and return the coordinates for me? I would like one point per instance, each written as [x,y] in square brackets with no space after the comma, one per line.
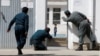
[40,35]
[20,19]
[76,18]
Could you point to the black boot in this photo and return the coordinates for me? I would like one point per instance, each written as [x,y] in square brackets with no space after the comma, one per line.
[79,48]
[93,45]
[19,51]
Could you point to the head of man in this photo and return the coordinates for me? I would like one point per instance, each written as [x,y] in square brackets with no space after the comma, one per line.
[25,10]
[47,29]
[67,13]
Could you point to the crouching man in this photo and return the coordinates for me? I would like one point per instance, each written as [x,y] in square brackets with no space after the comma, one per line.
[38,38]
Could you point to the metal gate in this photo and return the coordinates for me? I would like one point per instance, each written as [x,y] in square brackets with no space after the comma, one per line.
[7,40]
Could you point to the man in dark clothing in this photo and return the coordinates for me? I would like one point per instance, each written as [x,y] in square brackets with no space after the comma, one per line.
[83,24]
[21,21]
[38,38]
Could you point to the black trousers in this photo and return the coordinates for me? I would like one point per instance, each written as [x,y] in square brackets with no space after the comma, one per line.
[55,33]
[38,45]
[20,37]
[85,29]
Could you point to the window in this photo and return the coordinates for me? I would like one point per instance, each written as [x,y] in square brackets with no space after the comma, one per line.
[56,15]
[47,20]
[27,3]
[5,2]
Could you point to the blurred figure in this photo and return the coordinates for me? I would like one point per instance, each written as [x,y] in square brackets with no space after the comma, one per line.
[21,21]
[83,25]
[38,38]
[55,30]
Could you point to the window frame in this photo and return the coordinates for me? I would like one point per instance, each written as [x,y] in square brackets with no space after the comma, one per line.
[47,18]
[55,21]
[27,3]
[5,3]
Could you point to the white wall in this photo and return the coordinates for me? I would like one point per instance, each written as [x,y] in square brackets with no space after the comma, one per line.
[97,20]
[61,28]
[57,2]
[40,14]
[85,7]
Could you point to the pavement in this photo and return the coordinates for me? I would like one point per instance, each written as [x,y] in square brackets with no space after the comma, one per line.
[52,51]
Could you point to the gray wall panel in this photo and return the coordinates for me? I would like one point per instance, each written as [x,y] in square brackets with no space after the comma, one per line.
[7,40]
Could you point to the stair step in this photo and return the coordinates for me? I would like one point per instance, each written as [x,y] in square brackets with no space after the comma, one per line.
[58,42]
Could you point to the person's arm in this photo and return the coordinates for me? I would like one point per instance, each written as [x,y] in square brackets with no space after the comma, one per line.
[26,24]
[11,23]
[66,19]
[31,40]
[49,37]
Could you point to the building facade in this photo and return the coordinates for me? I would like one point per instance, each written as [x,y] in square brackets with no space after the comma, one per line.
[10,8]
[55,12]
[47,13]
[91,9]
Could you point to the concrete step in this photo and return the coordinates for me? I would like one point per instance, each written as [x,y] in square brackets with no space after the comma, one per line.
[58,42]
[86,46]
[63,42]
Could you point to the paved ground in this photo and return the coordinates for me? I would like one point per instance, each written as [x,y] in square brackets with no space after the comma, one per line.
[52,51]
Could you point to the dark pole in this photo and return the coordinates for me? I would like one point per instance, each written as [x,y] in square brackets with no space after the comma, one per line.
[67,24]
[94,13]
[0,5]
[46,42]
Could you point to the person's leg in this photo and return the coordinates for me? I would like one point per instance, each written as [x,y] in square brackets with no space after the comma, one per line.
[82,32]
[17,34]
[81,37]
[42,47]
[22,39]
[38,45]
[93,40]
[91,37]
[55,34]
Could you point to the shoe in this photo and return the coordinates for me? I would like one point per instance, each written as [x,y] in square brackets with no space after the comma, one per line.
[96,48]
[80,48]
[93,45]
[19,51]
